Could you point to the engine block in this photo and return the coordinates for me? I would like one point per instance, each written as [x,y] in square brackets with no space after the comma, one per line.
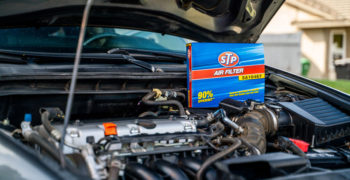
[145,130]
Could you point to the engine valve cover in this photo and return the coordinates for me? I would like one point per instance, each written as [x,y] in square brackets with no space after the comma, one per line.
[79,133]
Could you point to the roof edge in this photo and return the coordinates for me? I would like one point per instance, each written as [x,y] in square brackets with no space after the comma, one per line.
[319,10]
[322,24]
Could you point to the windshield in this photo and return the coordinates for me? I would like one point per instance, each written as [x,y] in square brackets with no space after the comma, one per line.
[97,39]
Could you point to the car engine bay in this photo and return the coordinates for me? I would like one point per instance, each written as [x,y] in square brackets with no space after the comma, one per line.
[127,115]
[146,131]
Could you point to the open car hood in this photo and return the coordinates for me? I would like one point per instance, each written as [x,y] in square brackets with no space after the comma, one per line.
[200,20]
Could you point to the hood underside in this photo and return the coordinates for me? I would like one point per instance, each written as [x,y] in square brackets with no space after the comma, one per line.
[200,20]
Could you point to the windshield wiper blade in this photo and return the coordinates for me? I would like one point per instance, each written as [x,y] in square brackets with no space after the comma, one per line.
[13,59]
[153,52]
[120,54]
[126,56]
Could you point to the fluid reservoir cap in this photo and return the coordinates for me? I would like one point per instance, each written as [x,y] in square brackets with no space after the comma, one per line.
[28,117]
[110,128]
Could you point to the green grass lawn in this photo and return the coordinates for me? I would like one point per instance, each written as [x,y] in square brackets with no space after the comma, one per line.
[342,85]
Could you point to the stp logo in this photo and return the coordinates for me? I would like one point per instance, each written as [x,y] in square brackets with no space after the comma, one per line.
[228,59]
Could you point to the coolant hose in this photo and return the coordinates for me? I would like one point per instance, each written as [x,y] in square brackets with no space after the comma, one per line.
[42,131]
[147,100]
[219,128]
[43,144]
[202,122]
[212,159]
[141,172]
[254,150]
[113,173]
[170,170]
[173,94]
[182,95]
[49,148]
[46,114]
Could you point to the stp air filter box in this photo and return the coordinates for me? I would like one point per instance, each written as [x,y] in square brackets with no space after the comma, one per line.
[216,71]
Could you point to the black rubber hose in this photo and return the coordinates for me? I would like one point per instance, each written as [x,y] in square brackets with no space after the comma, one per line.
[43,133]
[212,159]
[215,130]
[148,96]
[141,172]
[147,100]
[252,149]
[171,171]
[46,113]
[47,147]
[181,95]
[113,173]
[288,144]
[202,123]
[45,121]
[174,94]
[219,128]
[43,144]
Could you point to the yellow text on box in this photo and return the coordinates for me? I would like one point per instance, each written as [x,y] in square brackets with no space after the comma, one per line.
[251,76]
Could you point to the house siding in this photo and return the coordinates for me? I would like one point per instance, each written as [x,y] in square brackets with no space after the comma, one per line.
[282,22]
[314,42]
[314,48]
[347,54]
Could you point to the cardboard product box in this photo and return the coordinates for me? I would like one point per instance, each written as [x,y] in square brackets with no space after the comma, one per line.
[216,71]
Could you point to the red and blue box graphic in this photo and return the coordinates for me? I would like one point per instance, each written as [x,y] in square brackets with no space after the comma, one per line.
[217,71]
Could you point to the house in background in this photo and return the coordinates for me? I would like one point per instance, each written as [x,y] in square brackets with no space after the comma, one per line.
[318,30]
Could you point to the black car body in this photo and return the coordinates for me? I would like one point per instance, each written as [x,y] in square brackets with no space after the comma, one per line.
[132,78]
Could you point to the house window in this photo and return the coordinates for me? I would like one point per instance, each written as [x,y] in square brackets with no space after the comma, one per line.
[337,45]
